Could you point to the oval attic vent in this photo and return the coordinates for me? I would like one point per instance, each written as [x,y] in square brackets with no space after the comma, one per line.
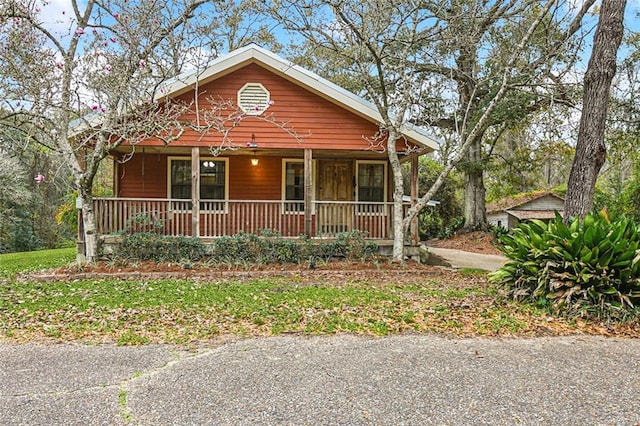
[253,98]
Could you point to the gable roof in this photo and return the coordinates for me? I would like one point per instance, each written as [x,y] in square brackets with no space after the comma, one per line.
[310,81]
[520,200]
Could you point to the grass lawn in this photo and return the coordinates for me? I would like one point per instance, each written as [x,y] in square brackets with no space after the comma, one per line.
[13,263]
[198,309]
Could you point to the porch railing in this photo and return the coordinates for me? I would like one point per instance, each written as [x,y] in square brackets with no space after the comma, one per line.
[219,218]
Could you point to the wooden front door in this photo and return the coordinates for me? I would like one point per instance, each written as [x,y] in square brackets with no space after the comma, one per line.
[335,184]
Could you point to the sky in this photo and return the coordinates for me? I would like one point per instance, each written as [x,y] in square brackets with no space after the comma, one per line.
[58,14]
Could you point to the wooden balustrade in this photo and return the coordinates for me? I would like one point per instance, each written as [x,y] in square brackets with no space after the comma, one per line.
[219,218]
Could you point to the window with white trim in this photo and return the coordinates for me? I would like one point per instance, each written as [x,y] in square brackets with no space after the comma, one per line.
[213,179]
[254,98]
[293,185]
[371,181]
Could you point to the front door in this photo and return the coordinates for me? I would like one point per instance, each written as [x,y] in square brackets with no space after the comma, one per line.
[335,185]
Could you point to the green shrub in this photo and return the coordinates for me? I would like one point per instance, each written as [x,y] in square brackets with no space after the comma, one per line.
[243,248]
[271,248]
[590,268]
[498,231]
[353,245]
[161,248]
[449,231]
[142,223]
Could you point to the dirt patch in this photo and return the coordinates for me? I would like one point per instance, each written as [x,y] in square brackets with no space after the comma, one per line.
[475,242]
[153,270]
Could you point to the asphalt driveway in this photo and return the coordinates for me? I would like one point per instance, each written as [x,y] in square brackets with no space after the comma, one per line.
[463,259]
[410,379]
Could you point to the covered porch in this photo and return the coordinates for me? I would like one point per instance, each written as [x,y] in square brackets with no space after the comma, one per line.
[308,192]
[174,217]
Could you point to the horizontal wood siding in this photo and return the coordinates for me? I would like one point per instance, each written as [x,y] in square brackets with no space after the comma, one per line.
[261,182]
[331,126]
[494,218]
[144,176]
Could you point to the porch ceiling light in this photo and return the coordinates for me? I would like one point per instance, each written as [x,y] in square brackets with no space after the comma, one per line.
[254,160]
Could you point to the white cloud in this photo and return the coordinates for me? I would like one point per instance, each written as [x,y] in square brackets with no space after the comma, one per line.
[57,16]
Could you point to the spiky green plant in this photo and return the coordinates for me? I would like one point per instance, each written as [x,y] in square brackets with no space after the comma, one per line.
[590,267]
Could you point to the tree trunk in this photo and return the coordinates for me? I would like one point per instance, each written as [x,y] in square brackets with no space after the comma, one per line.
[590,148]
[398,190]
[89,226]
[475,216]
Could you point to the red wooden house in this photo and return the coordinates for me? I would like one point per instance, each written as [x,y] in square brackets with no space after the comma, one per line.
[330,179]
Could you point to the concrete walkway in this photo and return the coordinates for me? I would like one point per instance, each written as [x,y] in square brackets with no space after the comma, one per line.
[463,259]
[338,380]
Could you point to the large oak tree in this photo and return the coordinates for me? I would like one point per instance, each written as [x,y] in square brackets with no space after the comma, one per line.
[590,149]
[387,46]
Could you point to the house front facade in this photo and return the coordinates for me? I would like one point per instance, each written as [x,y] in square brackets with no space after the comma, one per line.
[270,146]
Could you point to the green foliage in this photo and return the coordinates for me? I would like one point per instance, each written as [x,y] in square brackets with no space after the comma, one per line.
[67,214]
[161,248]
[450,230]
[498,231]
[271,247]
[244,248]
[589,268]
[517,165]
[16,226]
[142,222]
[619,196]
[20,236]
[349,245]
[28,210]
[252,248]
[354,246]
[440,220]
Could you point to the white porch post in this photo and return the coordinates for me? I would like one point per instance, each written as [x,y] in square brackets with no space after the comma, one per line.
[308,190]
[195,192]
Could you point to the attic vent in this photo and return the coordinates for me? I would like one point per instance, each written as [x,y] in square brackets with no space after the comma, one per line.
[253,99]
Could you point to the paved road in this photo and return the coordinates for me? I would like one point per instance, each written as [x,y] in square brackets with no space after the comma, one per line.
[464,259]
[339,380]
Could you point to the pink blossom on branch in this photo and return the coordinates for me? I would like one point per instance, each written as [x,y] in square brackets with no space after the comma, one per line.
[39,178]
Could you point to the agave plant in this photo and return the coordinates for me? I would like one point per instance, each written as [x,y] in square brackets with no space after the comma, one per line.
[593,263]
